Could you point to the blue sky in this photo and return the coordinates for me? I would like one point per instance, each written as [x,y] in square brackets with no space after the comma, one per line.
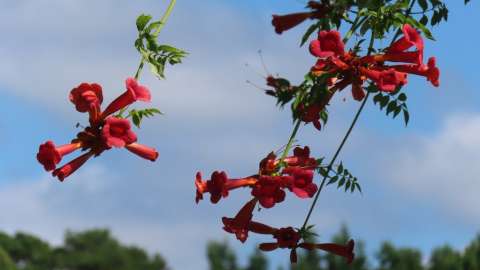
[419,182]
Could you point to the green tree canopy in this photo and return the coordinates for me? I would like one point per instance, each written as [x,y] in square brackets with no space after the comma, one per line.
[221,256]
[6,263]
[445,258]
[391,258]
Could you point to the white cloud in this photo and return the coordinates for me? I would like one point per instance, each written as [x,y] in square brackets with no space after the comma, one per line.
[443,167]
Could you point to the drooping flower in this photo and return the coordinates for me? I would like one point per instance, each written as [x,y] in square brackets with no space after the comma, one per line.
[117,132]
[328,43]
[345,251]
[386,80]
[429,71]
[239,225]
[285,22]
[143,151]
[134,92]
[69,168]
[286,238]
[49,155]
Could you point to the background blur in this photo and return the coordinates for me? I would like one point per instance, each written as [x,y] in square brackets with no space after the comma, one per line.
[420,186]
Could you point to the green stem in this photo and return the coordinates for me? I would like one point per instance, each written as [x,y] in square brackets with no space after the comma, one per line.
[162,23]
[290,140]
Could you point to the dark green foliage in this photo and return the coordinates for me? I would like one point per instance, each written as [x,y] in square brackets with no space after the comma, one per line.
[28,250]
[257,261]
[97,249]
[445,258]
[471,257]
[221,256]
[90,250]
[391,258]
[6,263]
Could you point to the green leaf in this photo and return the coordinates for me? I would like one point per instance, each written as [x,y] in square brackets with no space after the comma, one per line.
[358,186]
[142,21]
[423,4]
[402,97]
[136,119]
[341,182]
[347,186]
[340,168]
[391,106]
[309,32]
[406,116]
[332,180]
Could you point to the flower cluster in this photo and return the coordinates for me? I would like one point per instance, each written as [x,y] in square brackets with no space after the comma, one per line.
[269,185]
[275,176]
[287,237]
[343,68]
[104,132]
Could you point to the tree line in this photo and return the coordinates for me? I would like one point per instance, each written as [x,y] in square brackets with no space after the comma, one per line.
[99,250]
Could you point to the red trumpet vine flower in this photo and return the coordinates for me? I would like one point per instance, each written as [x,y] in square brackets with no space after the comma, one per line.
[386,80]
[143,151]
[345,251]
[69,168]
[410,38]
[239,225]
[219,185]
[268,165]
[87,98]
[49,155]
[430,71]
[286,238]
[117,132]
[301,158]
[134,92]
[269,190]
[285,22]
[289,238]
[301,181]
[328,44]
